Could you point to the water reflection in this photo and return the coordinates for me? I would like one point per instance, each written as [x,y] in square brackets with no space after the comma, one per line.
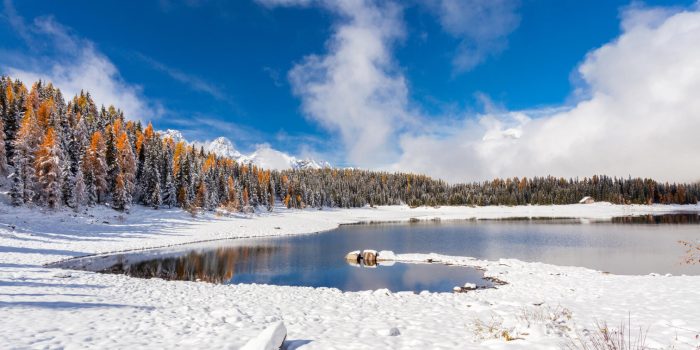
[298,261]
[219,265]
[689,218]
[623,246]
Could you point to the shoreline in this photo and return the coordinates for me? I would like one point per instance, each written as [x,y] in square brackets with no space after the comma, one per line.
[229,315]
[685,209]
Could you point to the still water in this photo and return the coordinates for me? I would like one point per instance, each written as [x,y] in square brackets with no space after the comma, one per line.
[639,245]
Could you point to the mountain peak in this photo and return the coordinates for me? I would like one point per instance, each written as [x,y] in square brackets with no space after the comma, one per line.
[223,147]
[263,156]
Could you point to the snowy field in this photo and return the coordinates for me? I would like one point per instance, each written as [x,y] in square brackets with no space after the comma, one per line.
[542,306]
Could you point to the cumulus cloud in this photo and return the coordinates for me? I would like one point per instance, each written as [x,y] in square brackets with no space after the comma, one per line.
[270,158]
[482,26]
[641,118]
[354,89]
[72,64]
[639,115]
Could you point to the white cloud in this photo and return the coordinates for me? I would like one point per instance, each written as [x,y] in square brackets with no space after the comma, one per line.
[269,158]
[74,64]
[482,26]
[353,89]
[641,118]
[193,82]
[356,90]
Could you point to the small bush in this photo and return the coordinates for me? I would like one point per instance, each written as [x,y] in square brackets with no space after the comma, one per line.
[606,338]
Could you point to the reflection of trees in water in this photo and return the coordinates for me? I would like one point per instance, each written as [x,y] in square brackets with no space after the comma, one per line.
[214,266]
[659,219]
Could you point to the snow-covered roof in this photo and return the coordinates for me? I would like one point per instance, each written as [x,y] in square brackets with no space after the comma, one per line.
[585,199]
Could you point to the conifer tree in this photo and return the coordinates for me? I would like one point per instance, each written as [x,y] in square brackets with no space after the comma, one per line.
[79,191]
[201,197]
[233,201]
[48,170]
[169,195]
[95,170]
[3,151]
[150,175]
[120,198]
[102,157]
[17,189]
[24,179]
[15,95]
[125,168]
[111,156]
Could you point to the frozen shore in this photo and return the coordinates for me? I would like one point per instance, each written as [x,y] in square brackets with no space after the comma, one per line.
[542,305]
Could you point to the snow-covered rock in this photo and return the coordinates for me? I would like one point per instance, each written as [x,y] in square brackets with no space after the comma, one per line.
[369,257]
[269,339]
[353,256]
[390,332]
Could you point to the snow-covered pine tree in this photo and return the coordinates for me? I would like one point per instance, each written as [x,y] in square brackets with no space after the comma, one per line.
[68,184]
[201,197]
[3,151]
[48,166]
[111,156]
[79,191]
[212,196]
[95,170]
[15,95]
[120,198]
[169,195]
[182,183]
[17,188]
[271,193]
[168,184]
[150,175]
[126,167]
[25,145]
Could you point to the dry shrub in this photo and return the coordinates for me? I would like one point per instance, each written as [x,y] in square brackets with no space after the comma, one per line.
[553,318]
[606,338]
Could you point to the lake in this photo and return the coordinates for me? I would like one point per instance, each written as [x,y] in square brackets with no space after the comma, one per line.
[629,245]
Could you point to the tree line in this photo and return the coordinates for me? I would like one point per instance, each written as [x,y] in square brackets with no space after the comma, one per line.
[59,153]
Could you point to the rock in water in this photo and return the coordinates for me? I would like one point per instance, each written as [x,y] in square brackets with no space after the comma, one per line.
[271,338]
[353,256]
[369,257]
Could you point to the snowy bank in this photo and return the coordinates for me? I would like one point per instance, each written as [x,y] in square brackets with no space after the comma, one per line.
[542,305]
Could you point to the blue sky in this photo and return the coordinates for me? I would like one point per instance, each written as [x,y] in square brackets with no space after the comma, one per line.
[213,68]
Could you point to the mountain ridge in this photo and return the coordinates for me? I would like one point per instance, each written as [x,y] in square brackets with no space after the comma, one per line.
[264,155]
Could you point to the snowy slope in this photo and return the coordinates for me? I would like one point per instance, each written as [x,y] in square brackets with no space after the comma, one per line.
[542,307]
[176,135]
[223,147]
[263,156]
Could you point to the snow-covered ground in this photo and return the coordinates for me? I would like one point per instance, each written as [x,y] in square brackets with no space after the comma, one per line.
[542,306]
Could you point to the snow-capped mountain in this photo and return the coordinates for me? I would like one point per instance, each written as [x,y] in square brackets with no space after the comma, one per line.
[270,158]
[176,135]
[263,156]
[223,147]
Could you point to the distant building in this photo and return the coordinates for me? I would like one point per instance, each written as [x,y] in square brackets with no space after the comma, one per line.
[586,200]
